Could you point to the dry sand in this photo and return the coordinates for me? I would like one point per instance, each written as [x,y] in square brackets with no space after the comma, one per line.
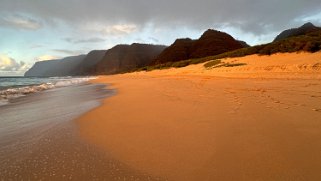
[261,121]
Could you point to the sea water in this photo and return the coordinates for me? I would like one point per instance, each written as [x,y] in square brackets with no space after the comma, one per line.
[39,137]
[14,87]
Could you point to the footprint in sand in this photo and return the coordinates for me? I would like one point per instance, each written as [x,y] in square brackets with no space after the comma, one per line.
[316,110]
[316,96]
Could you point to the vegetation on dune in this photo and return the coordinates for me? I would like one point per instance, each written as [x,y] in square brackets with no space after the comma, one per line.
[213,63]
[218,63]
[304,43]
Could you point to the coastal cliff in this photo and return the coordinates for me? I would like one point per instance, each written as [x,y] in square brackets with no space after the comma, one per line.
[118,59]
[212,42]
[122,58]
[60,67]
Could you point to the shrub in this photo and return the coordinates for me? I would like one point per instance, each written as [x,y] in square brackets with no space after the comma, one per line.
[212,63]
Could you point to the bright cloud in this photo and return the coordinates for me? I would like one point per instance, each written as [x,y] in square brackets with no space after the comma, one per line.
[118,30]
[8,64]
[46,57]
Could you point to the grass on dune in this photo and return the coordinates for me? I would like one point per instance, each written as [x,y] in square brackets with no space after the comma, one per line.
[218,63]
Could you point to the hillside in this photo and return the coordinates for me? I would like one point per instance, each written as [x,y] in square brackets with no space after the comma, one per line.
[310,42]
[88,65]
[304,29]
[212,42]
[211,45]
[122,58]
[61,67]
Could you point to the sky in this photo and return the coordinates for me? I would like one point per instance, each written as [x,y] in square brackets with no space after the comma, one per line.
[37,30]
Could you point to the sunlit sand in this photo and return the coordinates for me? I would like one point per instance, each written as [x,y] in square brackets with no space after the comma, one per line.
[260,121]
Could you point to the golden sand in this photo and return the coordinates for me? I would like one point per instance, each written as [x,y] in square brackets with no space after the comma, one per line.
[260,121]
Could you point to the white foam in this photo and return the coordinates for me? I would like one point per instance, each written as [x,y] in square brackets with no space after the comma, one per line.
[11,93]
[73,81]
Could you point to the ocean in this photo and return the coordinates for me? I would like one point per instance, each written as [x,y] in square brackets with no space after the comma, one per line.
[14,87]
[27,103]
[39,138]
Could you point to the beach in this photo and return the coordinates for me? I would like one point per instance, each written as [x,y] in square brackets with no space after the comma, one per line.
[260,121]
[39,140]
[102,90]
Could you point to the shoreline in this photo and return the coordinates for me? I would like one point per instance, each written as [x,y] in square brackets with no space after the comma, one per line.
[42,142]
[185,124]
[23,86]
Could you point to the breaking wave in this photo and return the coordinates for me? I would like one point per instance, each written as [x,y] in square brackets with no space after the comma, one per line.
[55,82]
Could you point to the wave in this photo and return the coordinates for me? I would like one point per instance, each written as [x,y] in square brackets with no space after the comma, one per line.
[11,93]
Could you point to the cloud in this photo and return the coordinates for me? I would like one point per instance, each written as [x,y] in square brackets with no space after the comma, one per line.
[119,30]
[8,64]
[88,40]
[20,22]
[153,39]
[247,15]
[68,52]
[104,23]
[46,57]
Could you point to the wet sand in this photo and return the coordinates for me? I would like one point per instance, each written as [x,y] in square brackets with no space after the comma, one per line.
[196,124]
[39,140]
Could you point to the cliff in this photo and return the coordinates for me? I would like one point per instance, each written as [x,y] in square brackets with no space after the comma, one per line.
[212,42]
[88,65]
[61,67]
[122,58]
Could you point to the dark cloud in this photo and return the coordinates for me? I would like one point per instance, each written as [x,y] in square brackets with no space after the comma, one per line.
[255,16]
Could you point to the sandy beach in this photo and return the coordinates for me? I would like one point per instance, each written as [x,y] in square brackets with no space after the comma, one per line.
[260,121]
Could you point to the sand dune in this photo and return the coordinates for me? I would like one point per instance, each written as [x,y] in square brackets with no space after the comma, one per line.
[242,123]
[287,65]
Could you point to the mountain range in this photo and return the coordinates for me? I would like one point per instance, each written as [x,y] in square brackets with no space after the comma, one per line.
[212,42]
[124,58]
[61,67]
